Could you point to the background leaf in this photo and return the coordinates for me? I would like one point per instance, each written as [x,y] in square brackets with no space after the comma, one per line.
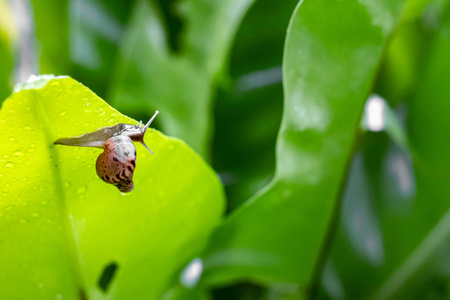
[61,225]
[8,46]
[278,234]
[88,33]
[52,23]
[180,84]
[405,194]
[250,102]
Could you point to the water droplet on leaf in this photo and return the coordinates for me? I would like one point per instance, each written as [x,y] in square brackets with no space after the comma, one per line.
[81,190]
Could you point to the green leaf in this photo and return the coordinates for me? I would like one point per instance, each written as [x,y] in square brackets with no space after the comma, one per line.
[249,108]
[210,29]
[181,84]
[63,230]
[407,192]
[278,234]
[8,43]
[432,251]
[88,35]
[401,64]
[46,15]
[414,9]
[428,125]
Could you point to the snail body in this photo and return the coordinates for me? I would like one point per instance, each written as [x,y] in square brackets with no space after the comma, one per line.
[116,164]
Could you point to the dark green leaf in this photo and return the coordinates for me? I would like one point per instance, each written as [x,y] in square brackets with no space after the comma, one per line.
[279,234]
[180,85]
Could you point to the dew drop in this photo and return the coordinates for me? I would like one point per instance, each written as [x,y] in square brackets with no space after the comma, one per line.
[63,113]
[18,153]
[35,215]
[25,203]
[80,190]
[9,165]
[9,207]
[67,184]
[27,127]
[25,179]
[44,202]
[22,221]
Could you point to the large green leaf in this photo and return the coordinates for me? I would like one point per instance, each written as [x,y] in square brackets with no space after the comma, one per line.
[60,225]
[331,56]
[179,84]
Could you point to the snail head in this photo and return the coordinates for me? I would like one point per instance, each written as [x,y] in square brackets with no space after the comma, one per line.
[137,133]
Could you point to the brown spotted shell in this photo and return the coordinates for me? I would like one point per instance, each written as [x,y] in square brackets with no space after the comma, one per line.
[117,162]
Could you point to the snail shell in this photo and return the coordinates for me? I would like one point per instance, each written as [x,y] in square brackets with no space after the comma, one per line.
[116,164]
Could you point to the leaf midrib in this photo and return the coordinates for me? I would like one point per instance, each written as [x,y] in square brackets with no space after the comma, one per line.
[74,257]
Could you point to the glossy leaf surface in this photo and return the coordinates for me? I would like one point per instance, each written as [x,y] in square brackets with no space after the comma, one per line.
[278,234]
[64,228]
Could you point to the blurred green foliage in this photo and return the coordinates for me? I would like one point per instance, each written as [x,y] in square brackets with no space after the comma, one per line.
[320,204]
[8,48]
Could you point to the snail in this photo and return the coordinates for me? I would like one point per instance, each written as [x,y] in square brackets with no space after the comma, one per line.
[116,164]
